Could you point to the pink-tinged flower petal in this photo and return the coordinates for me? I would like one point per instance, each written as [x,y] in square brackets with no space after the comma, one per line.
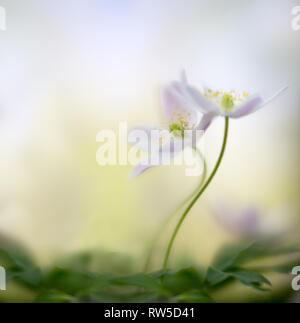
[198,99]
[138,170]
[275,95]
[176,103]
[251,105]
[172,100]
[177,144]
[206,120]
[162,156]
[202,103]
[140,137]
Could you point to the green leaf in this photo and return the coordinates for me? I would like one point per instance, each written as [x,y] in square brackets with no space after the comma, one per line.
[257,251]
[54,296]
[100,282]
[194,296]
[235,255]
[160,274]
[20,267]
[31,277]
[230,256]
[142,281]
[139,280]
[182,280]
[15,256]
[253,279]
[109,288]
[215,276]
[68,281]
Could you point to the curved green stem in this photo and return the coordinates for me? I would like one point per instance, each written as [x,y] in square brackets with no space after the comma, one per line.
[169,218]
[185,213]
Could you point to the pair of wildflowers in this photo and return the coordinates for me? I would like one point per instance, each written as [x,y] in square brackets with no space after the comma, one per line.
[189,112]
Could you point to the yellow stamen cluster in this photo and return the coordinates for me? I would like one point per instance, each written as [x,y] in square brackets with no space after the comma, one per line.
[226,100]
[180,121]
[182,117]
[176,130]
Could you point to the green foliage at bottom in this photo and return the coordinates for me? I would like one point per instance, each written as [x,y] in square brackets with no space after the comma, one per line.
[76,281]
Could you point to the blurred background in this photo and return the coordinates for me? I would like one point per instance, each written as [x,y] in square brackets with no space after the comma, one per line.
[69,69]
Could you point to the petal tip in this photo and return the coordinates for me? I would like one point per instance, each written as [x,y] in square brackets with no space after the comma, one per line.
[138,170]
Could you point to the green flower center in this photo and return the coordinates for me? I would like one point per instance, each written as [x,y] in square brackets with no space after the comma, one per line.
[227,102]
[176,129]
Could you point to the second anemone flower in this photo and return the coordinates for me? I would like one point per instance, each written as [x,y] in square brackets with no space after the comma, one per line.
[225,104]
[184,128]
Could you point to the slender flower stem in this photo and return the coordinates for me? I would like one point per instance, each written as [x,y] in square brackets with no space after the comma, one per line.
[185,213]
[169,218]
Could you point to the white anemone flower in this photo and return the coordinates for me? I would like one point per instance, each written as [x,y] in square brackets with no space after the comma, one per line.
[183,116]
[230,104]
